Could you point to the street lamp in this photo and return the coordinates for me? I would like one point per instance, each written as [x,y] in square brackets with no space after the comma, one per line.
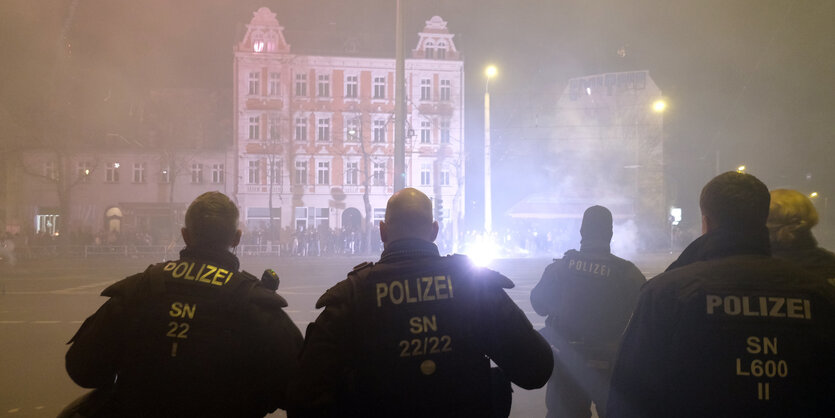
[741,169]
[659,106]
[490,72]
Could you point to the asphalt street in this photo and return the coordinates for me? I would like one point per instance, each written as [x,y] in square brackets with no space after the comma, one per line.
[43,302]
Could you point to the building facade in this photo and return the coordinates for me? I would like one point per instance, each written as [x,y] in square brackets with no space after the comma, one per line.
[314,135]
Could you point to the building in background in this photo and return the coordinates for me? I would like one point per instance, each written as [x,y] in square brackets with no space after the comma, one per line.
[605,146]
[314,134]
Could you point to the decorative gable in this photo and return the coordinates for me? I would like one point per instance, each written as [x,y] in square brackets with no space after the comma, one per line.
[264,34]
[435,42]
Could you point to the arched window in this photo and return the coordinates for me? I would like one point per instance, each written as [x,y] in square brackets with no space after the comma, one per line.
[441,50]
[429,50]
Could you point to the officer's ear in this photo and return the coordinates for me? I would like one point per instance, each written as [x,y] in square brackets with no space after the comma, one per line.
[707,224]
[383,232]
[435,229]
[237,239]
[186,236]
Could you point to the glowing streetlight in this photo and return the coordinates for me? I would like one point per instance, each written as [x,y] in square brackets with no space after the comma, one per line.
[659,106]
[813,195]
[489,73]
[741,169]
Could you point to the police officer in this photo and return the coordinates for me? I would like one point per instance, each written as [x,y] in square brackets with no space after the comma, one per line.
[191,337]
[587,296]
[791,218]
[413,334]
[729,331]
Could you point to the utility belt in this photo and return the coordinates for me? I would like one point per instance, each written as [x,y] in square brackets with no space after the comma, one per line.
[595,354]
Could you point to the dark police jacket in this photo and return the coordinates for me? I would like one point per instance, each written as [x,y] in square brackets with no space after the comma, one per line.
[191,337]
[728,331]
[412,335]
[588,296]
[805,253]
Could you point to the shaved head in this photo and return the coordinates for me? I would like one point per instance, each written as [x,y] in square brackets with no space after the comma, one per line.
[408,215]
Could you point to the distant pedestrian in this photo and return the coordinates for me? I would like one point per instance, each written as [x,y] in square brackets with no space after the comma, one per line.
[791,218]
[193,337]
[729,331]
[587,296]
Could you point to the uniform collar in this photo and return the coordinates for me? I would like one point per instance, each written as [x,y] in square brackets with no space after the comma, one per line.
[224,258]
[408,248]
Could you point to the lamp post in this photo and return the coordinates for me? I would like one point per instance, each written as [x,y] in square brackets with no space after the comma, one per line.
[489,73]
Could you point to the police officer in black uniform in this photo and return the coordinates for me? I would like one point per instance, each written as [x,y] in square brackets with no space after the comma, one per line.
[191,337]
[413,334]
[728,331]
[587,296]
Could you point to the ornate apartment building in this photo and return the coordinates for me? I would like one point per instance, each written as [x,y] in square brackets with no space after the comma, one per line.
[314,135]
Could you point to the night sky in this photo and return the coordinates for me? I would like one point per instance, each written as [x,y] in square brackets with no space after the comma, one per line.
[750,80]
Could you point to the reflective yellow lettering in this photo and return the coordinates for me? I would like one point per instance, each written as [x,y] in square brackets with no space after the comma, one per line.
[176,309]
[769,345]
[170,266]
[415,326]
[713,302]
[775,309]
[739,371]
[732,305]
[220,274]
[211,269]
[794,308]
[807,309]
[228,276]
[178,271]
[571,263]
[188,273]
[426,290]
[382,291]
[396,299]
[746,308]
[409,297]
[440,285]
[753,345]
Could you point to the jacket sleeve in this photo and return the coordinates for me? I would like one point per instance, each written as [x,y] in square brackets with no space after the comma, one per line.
[280,348]
[639,372]
[323,357]
[512,343]
[91,359]
[543,294]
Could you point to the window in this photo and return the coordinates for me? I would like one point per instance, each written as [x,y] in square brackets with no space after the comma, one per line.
[254,127]
[275,84]
[321,217]
[324,86]
[379,174]
[49,170]
[323,173]
[425,89]
[301,129]
[273,127]
[425,174]
[379,215]
[351,86]
[352,129]
[275,171]
[301,85]
[445,89]
[301,172]
[112,173]
[84,170]
[254,172]
[301,218]
[197,173]
[379,87]
[445,132]
[323,131]
[139,172]
[441,51]
[217,173]
[254,83]
[429,49]
[425,132]
[352,173]
[165,175]
[444,179]
[379,131]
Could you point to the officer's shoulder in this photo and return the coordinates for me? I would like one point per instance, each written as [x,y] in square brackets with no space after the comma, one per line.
[338,293]
[129,285]
[259,294]
[481,275]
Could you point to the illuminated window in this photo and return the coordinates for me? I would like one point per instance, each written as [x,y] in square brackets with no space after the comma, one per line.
[324,85]
[217,173]
[275,84]
[352,129]
[379,87]
[351,173]
[254,127]
[301,172]
[351,86]
[445,132]
[429,50]
[273,126]
[379,131]
[85,168]
[425,174]
[301,85]
[254,172]
[323,173]
[301,129]
[254,83]
[323,131]
[425,89]
[425,132]
[165,175]
[197,173]
[379,176]
[111,174]
[445,89]
[139,172]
